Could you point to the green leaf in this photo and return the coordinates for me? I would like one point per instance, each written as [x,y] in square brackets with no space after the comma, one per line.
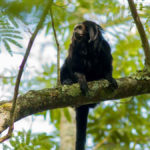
[12,35]
[67,114]
[9,31]
[28,137]
[14,42]
[13,21]
[7,47]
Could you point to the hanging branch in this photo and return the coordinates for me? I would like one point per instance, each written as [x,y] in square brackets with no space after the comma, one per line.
[12,113]
[58,47]
[142,33]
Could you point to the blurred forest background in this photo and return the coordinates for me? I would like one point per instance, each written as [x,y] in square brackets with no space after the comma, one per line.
[119,125]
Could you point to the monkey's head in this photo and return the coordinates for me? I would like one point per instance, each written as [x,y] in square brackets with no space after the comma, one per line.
[86,30]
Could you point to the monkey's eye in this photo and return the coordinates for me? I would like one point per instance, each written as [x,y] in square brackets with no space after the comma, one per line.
[80,27]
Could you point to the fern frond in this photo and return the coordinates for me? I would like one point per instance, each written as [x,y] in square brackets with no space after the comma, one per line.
[13,42]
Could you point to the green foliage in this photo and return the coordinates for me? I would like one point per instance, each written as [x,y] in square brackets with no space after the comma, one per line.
[22,9]
[47,77]
[112,126]
[9,34]
[122,124]
[28,141]
[55,116]
[128,55]
[8,80]
[67,114]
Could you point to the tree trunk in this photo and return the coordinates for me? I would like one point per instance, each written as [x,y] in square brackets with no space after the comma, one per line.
[67,131]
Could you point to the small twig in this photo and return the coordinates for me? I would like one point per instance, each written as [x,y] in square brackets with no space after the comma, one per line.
[142,33]
[6,77]
[12,113]
[58,47]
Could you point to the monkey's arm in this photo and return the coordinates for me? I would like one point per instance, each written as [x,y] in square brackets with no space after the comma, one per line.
[112,81]
[82,82]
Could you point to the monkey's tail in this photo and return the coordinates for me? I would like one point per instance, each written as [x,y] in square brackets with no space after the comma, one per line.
[81,125]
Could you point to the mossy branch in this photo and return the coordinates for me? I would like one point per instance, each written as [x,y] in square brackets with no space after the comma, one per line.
[63,96]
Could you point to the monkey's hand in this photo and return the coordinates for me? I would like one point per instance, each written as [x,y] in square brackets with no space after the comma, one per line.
[84,88]
[82,82]
[113,83]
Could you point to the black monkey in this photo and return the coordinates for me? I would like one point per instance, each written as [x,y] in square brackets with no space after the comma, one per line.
[89,59]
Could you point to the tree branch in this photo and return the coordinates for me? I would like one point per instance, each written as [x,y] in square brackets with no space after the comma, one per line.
[12,112]
[142,33]
[58,47]
[37,101]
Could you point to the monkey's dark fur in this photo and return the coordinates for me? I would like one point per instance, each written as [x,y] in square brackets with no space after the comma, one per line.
[89,59]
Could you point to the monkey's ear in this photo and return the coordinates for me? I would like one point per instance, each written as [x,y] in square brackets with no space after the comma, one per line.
[93,33]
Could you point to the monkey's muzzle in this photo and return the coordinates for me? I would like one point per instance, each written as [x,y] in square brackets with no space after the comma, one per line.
[78,35]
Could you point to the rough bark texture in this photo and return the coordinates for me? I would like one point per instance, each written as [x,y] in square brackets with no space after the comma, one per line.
[63,96]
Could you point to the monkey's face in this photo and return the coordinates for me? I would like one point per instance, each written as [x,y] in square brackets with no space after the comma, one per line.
[79,31]
[86,31]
